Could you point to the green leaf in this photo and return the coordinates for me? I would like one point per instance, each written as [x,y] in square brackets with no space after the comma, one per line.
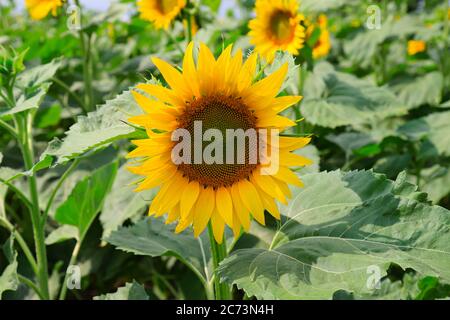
[419,90]
[337,229]
[434,129]
[38,75]
[63,233]
[131,291]
[26,101]
[213,4]
[151,237]
[86,199]
[9,279]
[47,117]
[122,203]
[334,99]
[97,129]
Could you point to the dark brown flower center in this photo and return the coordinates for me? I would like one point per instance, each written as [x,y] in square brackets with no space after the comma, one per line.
[280,26]
[222,113]
[165,6]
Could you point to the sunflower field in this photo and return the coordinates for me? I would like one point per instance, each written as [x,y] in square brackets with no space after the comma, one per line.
[224,150]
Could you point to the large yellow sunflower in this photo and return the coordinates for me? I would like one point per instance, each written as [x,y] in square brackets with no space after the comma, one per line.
[222,94]
[39,9]
[160,12]
[276,27]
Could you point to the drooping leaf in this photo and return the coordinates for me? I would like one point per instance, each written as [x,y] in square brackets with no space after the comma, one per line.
[86,199]
[131,291]
[63,233]
[338,228]
[9,279]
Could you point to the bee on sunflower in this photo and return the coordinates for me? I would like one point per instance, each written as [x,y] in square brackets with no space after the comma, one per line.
[222,94]
[277,26]
[160,12]
[39,9]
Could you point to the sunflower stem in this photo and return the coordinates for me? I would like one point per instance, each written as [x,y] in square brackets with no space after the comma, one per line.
[218,253]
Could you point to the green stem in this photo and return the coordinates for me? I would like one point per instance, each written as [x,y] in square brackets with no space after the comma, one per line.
[58,186]
[38,226]
[218,253]
[73,259]
[8,128]
[71,93]
[189,27]
[19,193]
[30,284]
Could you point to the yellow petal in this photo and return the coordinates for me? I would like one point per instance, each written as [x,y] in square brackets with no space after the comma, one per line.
[251,200]
[224,205]
[188,198]
[203,210]
[218,226]
[240,210]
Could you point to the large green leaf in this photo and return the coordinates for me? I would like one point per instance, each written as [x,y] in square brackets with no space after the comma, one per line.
[131,291]
[434,129]
[416,91]
[86,199]
[95,130]
[334,99]
[337,230]
[324,5]
[154,238]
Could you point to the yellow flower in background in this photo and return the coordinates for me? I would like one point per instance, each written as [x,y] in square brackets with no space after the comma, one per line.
[160,12]
[416,46]
[194,25]
[39,9]
[323,45]
[223,95]
[276,27]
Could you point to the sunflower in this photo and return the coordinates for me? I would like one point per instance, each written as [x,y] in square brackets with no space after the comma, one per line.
[160,12]
[323,44]
[416,46]
[222,95]
[39,9]
[276,27]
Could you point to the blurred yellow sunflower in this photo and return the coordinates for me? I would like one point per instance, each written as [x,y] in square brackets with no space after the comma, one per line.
[276,27]
[223,95]
[323,45]
[416,46]
[39,9]
[160,12]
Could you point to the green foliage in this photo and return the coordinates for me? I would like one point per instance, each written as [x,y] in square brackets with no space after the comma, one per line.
[131,291]
[336,229]
[86,199]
